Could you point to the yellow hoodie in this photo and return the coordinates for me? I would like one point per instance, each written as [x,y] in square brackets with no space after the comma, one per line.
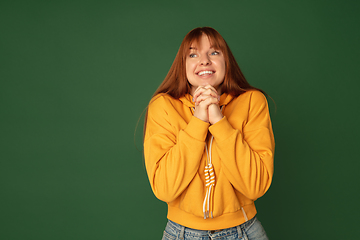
[241,153]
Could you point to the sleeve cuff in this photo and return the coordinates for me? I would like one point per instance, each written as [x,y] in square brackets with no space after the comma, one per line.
[221,130]
[197,129]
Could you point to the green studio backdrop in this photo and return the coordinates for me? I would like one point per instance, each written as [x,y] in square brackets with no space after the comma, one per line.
[75,77]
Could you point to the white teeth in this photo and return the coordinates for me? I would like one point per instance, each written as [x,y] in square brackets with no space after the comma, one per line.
[205,72]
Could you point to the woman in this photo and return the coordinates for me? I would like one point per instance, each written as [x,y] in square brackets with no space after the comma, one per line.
[208,143]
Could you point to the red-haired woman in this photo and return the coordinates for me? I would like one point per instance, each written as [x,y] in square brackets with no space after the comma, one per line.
[208,143]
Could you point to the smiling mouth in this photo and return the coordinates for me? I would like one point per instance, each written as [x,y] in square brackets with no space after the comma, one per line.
[204,73]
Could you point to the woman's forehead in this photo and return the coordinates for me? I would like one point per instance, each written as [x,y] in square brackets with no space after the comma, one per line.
[196,43]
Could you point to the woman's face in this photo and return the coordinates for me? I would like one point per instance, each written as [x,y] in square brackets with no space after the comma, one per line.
[205,65]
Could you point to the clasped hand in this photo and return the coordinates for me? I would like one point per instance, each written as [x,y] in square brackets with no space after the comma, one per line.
[206,101]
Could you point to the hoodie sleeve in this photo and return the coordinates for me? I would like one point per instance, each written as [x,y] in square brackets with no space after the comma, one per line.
[247,154]
[172,155]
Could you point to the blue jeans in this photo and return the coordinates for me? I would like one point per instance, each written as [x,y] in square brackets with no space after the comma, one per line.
[250,230]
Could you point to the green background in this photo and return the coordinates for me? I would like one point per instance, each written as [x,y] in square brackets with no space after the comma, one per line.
[75,77]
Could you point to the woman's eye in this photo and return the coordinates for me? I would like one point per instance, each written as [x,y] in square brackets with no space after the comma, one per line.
[192,55]
[215,53]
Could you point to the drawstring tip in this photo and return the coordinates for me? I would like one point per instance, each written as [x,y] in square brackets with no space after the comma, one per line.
[207,215]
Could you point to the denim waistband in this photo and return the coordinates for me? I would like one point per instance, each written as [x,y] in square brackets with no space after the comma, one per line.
[220,232]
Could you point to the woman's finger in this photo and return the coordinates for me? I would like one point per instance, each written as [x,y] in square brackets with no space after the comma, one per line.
[210,87]
[205,92]
[207,102]
[203,97]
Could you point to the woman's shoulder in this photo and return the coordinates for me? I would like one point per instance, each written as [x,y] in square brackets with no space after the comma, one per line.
[162,103]
[252,95]
[161,99]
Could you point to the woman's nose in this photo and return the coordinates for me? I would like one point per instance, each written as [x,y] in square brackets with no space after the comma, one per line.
[204,60]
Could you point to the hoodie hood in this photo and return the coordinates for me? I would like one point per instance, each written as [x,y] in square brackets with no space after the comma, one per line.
[224,100]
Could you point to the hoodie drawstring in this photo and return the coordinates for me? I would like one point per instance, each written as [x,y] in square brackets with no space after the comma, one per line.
[209,183]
